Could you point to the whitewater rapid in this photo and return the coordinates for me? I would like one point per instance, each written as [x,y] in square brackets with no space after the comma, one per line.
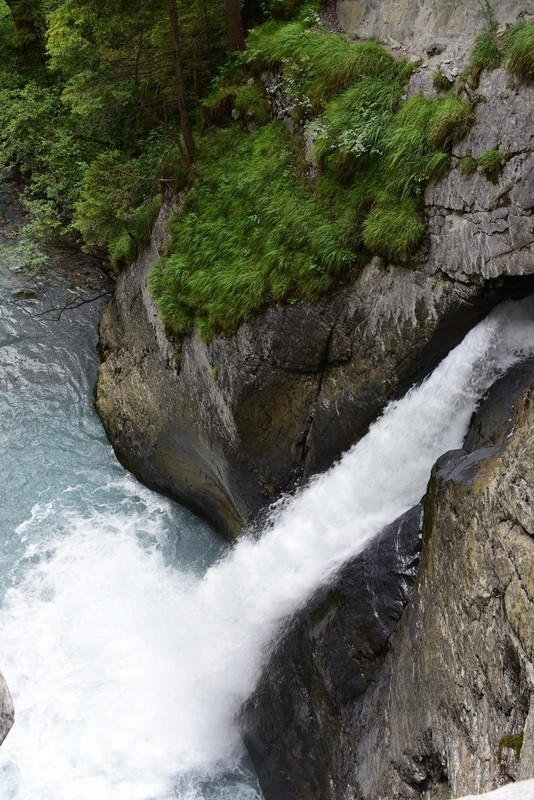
[128,666]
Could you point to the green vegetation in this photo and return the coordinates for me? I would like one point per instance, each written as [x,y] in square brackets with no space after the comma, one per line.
[491,163]
[315,65]
[266,239]
[486,55]
[512,742]
[514,48]
[467,165]
[277,235]
[518,47]
[214,372]
[440,82]
[106,106]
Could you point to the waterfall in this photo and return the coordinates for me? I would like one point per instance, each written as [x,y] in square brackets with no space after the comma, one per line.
[127,672]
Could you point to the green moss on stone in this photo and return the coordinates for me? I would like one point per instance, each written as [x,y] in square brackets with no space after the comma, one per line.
[512,742]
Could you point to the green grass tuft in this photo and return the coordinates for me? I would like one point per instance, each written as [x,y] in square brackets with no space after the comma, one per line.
[486,55]
[394,228]
[491,163]
[355,125]
[467,165]
[315,64]
[519,50]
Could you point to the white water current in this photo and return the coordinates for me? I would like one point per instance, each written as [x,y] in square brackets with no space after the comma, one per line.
[127,662]
[523,790]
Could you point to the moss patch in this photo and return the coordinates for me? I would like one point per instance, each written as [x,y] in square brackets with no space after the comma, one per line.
[512,742]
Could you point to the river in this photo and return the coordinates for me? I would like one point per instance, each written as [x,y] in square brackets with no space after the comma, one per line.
[131,635]
[92,568]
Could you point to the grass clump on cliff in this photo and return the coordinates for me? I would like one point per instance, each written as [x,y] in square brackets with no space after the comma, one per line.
[486,54]
[266,238]
[259,224]
[491,163]
[316,65]
[519,50]
[513,742]
[514,48]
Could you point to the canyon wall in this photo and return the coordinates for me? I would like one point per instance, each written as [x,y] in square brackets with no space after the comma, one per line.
[240,420]
[355,705]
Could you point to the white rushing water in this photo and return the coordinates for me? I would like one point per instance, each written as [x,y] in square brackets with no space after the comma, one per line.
[127,670]
[523,790]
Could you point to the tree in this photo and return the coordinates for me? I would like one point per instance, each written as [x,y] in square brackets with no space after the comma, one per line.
[25,21]
[185,123]
[234,25]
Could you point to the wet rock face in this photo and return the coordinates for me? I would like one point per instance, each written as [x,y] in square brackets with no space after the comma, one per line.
[312,691]
[424,717]
[7,713]
[480,229]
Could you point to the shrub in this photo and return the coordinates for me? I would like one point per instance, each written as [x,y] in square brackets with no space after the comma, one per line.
[124,248]
[519,50]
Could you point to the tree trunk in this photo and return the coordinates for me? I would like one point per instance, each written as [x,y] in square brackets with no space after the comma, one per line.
[234,25]
[182,106]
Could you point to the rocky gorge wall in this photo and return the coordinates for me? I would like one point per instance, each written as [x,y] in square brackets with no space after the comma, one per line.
[7,712]
[399,680]
[299,384]
[355,704]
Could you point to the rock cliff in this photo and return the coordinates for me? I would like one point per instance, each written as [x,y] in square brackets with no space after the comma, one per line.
[246,418]
[355,704]
[7,713]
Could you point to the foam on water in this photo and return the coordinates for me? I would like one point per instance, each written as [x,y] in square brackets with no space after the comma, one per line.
[128,671]
[523,790]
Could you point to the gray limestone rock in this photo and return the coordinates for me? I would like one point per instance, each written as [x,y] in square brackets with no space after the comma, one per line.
[7,712]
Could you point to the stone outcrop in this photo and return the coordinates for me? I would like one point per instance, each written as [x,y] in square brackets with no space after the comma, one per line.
[354,706]
[7,712]
[246,418]
[433,28]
